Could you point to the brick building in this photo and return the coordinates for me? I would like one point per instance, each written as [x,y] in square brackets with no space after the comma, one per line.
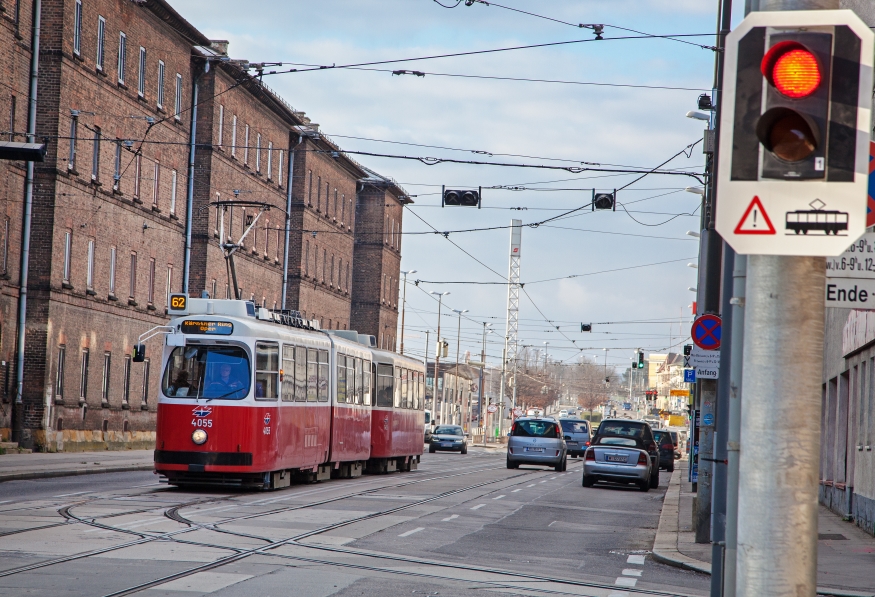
[133,99]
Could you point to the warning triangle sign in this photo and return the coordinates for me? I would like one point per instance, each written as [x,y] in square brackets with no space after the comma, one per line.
[755,220]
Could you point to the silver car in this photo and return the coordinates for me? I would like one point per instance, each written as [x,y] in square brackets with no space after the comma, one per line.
[576,432]
[536,440]
[617,459]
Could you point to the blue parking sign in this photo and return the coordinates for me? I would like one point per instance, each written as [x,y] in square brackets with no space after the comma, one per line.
[689,376]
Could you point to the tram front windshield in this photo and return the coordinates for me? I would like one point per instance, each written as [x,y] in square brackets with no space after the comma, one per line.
[211,372]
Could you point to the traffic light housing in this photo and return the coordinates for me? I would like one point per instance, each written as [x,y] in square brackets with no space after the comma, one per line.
[460,198]
[604,201]
[585,327]
[640,360]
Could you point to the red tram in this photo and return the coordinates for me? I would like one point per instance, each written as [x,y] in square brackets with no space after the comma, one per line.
[252,398]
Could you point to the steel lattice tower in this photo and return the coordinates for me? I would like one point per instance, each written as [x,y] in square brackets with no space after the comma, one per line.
[511,336]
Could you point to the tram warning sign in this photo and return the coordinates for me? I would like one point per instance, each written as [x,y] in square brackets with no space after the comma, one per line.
[755,220]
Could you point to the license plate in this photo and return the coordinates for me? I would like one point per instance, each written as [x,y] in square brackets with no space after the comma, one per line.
[571,443]
[616,458]
[534,449]
[447,444]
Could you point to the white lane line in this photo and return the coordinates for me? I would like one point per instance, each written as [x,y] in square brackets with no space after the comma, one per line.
[631,572]
[514,491]
[544,481]
[5,501]
[634,559]
[408,533]
[69,494]
[625,581]
[478,506]
[448,519]
[551,478]
[532,485]
[499,497]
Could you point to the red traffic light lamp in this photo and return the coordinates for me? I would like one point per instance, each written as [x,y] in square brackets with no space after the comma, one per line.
[792,69]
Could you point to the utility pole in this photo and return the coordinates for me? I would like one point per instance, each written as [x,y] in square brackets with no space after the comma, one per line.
[463,416]
[404,305]
[481,418]
[511,338]
[433,385]
[437,354]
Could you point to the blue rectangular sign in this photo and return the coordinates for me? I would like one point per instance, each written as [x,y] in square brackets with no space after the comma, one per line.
[689,376]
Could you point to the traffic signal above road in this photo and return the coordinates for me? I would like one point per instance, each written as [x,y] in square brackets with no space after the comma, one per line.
[604,201]
[795,121]
[640,360]
[461,198]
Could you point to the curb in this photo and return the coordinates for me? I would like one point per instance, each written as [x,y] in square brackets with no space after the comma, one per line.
[665,548]
[73,472]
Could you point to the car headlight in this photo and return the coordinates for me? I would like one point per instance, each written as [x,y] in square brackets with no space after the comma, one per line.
[199,436]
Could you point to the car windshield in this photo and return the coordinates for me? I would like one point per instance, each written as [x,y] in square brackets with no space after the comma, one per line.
[617,441]
[573,426]
[211,372]
[535,429]
[446,430]
[625,429]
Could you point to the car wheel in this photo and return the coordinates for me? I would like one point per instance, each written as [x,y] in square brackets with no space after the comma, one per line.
[431,450]
[644,486]
[512,464]
[464,450]
[654,480]
[558,468]
[588,481]
[564,464]
[670,468]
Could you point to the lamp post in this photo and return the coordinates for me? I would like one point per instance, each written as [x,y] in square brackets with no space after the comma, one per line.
[481,420]
[404,304]
[463,416]
[437,356]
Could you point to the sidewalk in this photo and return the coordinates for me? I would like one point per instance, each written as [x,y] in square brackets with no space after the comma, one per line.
[845,559]
[64,464]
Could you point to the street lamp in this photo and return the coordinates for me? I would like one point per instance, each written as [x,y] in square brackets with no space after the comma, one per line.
[437,355]
[481,420]
[462,415]
[404,305]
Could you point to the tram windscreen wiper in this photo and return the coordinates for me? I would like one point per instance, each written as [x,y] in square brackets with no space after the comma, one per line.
[226,395]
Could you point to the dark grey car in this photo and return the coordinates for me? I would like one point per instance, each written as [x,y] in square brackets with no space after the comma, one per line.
[576,433]
[448,437]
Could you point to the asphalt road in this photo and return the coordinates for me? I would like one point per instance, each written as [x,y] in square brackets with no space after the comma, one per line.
[460,525]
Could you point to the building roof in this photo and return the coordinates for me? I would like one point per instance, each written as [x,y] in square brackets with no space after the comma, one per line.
[376,179]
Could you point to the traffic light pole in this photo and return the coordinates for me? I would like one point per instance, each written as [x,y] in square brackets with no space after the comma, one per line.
[781,412]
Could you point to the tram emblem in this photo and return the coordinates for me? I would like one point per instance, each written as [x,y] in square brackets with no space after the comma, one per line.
[202,411]
[267,419]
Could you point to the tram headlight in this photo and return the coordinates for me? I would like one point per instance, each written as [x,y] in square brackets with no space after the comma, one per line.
[199,436]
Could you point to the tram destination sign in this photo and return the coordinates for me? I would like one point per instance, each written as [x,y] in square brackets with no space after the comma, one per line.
[208,328]
[850,277]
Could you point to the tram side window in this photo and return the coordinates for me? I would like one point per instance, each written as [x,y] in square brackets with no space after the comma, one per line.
[366,383]
[398,387]
[299,375]
[352,380]
[312,370]
[323,376]
[288,373]
[341,379]
[267,365]
[384,385]
[417,396]
[357,373]
[405,388]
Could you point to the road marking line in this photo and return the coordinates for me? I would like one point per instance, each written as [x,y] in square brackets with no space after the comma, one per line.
[619,594]
[499,497]
[631,572]
[408,533]
[69,494]
[633,559]
[514,491]
[478,506]
[551,478]
[450,518]
[532,485]
[625,581]
[544,481]
[5,501]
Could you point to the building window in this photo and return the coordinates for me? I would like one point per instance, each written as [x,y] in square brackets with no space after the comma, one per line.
[277,247]
[59,376]
[95,156]
[138,163]
[342,209]
[133,275]
[258,153]
[221,124]
[101,39]
[117,166]
[318,193]
[169,285]
[331,272]
[74,129]
[12,103]
[83,376]
[347,276]
[151,294]
[173,192]
[156,181]
[145,382]
[160,101]
[234,136]
[107,359]
[141,82]
[68,254]
[122,56]
[279,169]
[306,258]
[112,254]
[77,29]
[126,380]
[324,263]
[5,264]
[246,145]
[310,188]
[213,288]
[270,161]
[334,212]
[89,276]
[177,110]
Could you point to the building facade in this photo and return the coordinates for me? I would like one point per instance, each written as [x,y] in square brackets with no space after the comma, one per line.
[164,155]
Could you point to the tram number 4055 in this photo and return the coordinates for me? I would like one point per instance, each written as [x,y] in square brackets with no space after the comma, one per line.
[201,423]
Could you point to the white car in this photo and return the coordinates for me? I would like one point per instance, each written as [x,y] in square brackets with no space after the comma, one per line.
[563,412]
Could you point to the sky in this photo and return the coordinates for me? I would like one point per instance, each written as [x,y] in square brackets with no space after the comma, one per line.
[629,266]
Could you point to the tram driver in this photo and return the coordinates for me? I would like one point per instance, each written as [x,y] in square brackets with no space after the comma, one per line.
[226,382]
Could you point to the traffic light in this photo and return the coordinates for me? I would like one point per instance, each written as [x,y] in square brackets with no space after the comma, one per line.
[461,198]
[640,360]
[585,327]
[604,201]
